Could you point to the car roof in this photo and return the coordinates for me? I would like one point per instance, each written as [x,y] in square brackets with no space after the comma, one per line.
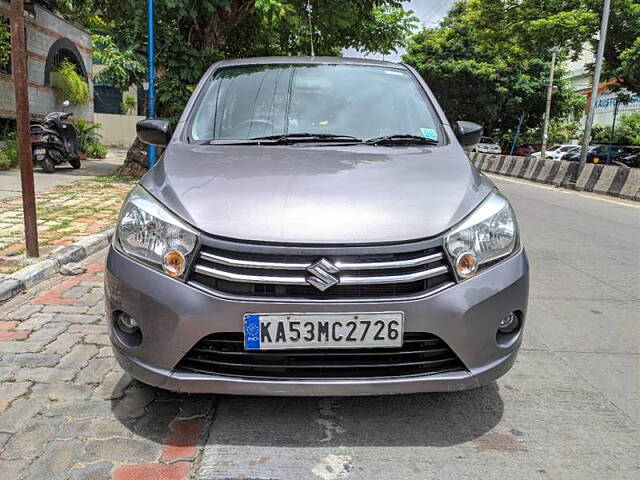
[311,61]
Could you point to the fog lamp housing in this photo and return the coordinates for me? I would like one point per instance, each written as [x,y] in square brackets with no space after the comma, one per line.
[127,323]
[509,323]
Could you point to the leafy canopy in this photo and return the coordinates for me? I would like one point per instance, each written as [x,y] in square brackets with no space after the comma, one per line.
[5,44]
[489,60]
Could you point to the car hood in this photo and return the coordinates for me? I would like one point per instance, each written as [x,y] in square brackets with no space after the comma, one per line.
[318,194]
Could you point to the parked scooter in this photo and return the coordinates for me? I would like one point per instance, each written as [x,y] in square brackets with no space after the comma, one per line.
[55,141]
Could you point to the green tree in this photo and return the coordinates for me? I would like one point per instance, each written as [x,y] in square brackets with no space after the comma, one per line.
[5,44]
[484,63]
[622,49]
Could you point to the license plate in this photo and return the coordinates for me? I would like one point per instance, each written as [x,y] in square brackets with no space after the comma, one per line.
[40,151]
[282,331]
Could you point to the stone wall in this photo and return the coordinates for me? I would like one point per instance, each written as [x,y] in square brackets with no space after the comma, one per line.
[43,30]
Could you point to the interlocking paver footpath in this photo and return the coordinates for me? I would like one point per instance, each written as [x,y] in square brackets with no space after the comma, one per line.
[68,411]
[65,214]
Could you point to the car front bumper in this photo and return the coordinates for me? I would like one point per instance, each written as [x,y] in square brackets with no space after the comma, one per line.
[174,316]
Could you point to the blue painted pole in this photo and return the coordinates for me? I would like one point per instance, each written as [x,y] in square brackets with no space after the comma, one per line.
[515,138]
[152,93]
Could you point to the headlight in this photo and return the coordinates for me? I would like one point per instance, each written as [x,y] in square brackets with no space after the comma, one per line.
[488,234]
[148,231]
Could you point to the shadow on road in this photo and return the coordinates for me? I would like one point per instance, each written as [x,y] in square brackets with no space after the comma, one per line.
[436,419]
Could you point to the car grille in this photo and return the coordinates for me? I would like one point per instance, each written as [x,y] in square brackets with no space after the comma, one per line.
[383,275]
[224,354]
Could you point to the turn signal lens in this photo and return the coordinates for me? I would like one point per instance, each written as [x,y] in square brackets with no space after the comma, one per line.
[174,263]
[466,264]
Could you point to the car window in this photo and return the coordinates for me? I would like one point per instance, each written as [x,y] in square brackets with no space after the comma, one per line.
[555,147]
[361,101]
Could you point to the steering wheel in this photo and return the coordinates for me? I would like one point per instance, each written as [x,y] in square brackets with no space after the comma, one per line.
[252,122]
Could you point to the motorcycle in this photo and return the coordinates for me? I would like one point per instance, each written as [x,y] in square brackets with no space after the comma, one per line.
[55,141]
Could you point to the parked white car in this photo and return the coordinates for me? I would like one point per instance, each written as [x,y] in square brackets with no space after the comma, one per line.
[487,145]
[557,152]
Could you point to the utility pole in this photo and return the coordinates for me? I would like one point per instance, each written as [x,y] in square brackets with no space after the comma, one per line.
[152,90]
[19,68]
[586,138]
[547,112]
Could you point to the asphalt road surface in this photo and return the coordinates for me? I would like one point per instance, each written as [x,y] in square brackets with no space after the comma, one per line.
[570,408]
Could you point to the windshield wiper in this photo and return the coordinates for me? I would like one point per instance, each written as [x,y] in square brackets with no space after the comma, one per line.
[308,137]
[401,139]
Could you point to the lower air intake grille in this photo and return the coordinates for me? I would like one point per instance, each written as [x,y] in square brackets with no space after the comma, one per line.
[224,354]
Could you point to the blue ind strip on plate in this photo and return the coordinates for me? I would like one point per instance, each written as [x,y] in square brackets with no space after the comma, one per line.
[252,332]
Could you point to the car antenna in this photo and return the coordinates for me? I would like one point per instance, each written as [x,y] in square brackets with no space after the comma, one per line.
[309,11]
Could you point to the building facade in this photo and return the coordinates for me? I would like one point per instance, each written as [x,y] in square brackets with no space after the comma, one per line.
[580,78]
[49,40]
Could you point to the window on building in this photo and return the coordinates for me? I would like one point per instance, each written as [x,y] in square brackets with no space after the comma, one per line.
[5,45]
[106,99]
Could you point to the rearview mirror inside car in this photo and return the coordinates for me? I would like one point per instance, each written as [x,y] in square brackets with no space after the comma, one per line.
[154,131]
[467,133]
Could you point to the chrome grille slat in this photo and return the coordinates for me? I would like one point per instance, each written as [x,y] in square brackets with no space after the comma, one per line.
[302,273]
[344,280]
[241,263]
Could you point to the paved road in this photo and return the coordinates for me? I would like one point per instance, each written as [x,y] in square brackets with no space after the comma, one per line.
[570,408]
[10,180]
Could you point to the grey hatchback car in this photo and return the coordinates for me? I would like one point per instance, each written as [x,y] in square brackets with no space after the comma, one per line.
[314,227]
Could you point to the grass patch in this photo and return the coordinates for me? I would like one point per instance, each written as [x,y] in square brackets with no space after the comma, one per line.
[111,178]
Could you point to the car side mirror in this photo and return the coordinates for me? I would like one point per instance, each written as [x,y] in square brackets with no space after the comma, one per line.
[467,133]
[154,131]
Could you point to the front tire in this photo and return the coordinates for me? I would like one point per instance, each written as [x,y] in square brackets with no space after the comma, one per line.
[47,165]
[75,163]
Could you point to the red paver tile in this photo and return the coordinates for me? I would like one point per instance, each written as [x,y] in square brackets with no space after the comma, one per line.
[183,439]
[53,296]
[153,471]
[61,242]
[96,267]
[17,335]
[4,326]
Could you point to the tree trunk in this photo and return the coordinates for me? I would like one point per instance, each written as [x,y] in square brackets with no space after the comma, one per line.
[136,164]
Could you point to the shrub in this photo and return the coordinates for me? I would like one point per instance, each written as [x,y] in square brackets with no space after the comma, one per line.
[96,150]
[88,134]
[128,105]
[628,130]
[8,150]
[69,84]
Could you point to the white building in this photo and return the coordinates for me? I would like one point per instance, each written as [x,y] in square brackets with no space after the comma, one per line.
[579,78]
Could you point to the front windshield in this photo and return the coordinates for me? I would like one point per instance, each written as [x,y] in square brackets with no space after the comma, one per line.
[246,102]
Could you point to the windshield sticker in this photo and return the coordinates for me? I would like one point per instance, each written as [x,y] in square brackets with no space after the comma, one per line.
[429,133]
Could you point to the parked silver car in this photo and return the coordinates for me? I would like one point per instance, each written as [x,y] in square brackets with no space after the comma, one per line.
[315,228]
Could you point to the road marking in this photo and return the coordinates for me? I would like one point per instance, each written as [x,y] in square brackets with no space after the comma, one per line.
[593,196]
